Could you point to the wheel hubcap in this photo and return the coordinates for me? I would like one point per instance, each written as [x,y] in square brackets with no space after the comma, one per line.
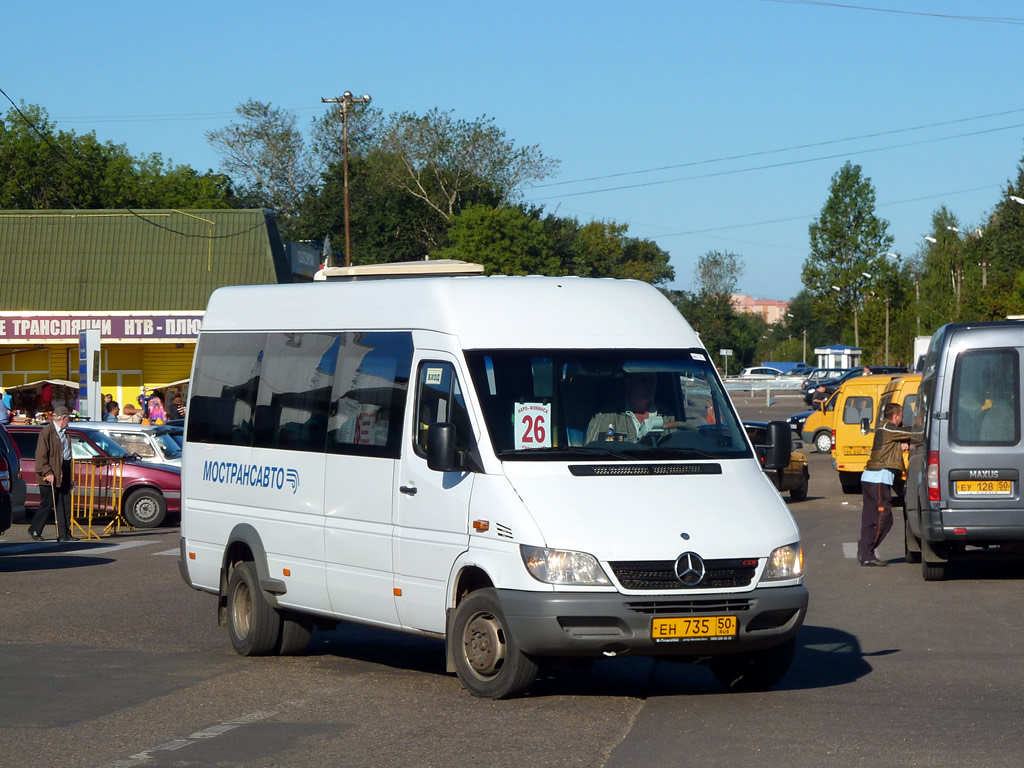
[145,510]
[241,610]
[484,644]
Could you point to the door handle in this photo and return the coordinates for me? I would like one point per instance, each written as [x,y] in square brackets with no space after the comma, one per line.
[409,490]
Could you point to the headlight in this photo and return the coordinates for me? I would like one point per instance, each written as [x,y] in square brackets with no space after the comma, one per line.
[558,566]
[784,563]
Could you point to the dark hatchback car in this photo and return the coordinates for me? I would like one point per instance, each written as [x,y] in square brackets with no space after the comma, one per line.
[150,494]
[834,384]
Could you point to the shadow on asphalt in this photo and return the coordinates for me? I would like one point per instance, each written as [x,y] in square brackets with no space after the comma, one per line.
[48,562]
[825,657]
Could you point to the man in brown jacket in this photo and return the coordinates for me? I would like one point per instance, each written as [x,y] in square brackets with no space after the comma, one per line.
[53,471]
[876,482]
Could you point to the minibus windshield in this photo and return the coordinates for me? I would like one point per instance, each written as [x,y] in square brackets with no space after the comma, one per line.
[609,404]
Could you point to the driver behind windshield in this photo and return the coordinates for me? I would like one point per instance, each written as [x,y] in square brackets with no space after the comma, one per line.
[636,416]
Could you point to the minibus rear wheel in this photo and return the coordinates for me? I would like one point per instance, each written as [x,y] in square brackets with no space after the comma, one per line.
[296,632]
[253,624]
[487,657]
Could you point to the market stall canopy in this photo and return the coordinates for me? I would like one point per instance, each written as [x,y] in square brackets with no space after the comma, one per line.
[41,383]
[174,384]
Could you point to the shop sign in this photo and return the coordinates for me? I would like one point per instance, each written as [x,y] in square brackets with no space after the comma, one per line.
[56,327]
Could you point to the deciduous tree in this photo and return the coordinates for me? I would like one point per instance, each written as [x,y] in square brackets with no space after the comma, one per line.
[847,240]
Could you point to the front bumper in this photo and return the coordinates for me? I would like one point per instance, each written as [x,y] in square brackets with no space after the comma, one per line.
[592,624]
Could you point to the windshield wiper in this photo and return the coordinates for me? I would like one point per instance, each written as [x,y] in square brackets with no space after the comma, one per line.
[683,454]
[577,451]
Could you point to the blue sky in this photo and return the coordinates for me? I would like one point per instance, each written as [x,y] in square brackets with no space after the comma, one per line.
[610,89]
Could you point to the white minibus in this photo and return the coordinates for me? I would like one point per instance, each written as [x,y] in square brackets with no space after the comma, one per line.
[531,468]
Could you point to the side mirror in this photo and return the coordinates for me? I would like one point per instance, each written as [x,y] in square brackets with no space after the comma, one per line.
[865,426]
[441,447]
[780,445]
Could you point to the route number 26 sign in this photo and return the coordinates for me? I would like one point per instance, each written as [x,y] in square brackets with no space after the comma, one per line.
[533,422]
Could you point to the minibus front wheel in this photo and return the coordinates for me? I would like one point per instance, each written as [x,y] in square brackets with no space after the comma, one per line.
[487,657]
[753,670]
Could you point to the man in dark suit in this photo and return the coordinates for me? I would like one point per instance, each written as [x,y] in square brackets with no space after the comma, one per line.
[53,470]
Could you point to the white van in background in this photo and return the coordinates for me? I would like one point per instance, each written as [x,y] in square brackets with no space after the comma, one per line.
[451,457]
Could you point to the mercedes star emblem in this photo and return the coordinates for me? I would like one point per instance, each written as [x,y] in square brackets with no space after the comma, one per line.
[689,569]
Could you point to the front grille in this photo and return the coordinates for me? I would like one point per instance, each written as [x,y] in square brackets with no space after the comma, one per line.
[661,574]
[684,607]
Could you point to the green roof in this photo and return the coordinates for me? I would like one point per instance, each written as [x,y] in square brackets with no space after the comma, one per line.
[93,260]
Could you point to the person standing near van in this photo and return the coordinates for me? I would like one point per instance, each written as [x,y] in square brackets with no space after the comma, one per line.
[820,396]
[53,468]
[876,482]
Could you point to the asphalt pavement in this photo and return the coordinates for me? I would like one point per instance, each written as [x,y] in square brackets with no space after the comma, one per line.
[108,659]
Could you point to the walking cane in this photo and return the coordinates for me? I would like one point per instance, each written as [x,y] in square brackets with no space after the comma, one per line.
[53,494]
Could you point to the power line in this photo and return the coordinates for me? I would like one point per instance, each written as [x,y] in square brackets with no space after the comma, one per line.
[69,161]
[780,165]
[782,149]
[957,17]
[159,118]
[811,216]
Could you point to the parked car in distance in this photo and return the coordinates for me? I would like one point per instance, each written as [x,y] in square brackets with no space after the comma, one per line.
[852,373]
[153,444]
[150,492]
[795,477]
[816,375]
[760,372]
[9,452]
[801,370]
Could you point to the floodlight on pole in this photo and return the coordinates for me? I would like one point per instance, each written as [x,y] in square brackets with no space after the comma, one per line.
[345,100]
[1016,199]
[893,255]
[866,274]
[837,289]
[930,239]
[952,229]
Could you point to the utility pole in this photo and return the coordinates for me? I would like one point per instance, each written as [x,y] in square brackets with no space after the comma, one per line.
[886,330]
[346,99]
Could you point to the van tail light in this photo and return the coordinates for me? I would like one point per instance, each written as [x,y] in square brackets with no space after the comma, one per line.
[934,491]
[833,439]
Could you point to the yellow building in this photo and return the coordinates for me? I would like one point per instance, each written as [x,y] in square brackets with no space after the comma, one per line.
[142,278]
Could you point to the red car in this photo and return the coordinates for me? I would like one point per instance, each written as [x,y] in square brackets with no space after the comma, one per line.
[150,492]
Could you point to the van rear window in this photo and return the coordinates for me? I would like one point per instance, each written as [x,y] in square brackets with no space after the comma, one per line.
[985,401]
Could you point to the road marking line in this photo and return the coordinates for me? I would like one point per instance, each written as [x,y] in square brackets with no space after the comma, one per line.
[168,552]
[75,548]
[850,549]
[210,732]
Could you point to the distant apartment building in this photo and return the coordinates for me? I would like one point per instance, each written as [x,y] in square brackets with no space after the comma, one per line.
[772,311]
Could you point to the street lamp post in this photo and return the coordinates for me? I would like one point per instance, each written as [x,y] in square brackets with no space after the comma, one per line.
[346,99]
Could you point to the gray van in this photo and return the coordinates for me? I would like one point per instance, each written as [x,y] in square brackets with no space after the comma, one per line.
[963,494]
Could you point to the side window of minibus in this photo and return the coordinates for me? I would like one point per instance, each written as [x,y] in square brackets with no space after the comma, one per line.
[439,399]
[367,408]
